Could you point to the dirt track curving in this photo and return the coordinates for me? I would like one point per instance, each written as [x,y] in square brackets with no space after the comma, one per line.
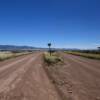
[23,78]
[78,78]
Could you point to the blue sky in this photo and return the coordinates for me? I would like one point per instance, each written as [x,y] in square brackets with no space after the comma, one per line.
[64,23]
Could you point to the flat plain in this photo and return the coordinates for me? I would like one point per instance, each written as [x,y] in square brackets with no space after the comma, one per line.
[28,78]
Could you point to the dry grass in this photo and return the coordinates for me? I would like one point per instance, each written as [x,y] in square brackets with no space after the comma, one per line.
[7,55]
[87,55]
[53,59]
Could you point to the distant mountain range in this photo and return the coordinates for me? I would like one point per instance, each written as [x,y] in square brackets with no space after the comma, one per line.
[13,47]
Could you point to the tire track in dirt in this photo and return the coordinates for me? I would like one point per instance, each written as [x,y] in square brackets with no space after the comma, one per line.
[5,70]
[85,77]
[27,81]
[13,70]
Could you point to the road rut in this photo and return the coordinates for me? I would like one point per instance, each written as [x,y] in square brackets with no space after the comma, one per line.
[84,75]
[25,79]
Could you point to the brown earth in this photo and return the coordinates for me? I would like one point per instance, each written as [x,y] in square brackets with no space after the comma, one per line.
[24,78]
[77,78]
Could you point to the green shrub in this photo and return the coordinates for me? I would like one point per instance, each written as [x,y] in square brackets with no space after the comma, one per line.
[53,59]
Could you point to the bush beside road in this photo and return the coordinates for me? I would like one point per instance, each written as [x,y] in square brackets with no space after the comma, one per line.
[52,59]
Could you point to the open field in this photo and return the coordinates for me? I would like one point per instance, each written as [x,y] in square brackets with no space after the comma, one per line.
[29,77]
[7,55]
[87,55]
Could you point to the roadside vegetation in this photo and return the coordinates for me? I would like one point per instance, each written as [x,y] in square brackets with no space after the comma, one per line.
[8,54]
[54,67]
[93,54]
[52,58]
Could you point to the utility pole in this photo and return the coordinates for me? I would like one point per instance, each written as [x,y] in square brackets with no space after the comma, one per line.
[49,45]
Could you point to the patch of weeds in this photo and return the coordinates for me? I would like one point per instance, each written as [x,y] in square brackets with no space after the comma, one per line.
[52,59]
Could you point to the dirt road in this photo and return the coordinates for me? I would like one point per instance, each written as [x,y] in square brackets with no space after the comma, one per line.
[83,77]
[23,78]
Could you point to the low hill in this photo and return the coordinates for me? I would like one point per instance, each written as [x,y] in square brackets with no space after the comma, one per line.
[13,47]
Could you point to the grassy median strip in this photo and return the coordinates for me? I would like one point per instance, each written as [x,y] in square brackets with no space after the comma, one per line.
[87,55]
[54,67]
[7,55]
[52,59]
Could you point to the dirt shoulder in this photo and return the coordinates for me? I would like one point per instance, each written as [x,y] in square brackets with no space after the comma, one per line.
[58,77]
[26,80]
[77,78]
